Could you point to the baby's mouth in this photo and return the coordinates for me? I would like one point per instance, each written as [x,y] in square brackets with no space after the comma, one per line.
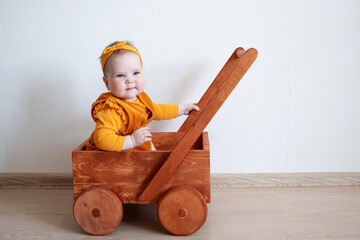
[130,88]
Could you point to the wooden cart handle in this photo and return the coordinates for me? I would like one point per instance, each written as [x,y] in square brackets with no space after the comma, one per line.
[216,95]
[218,81]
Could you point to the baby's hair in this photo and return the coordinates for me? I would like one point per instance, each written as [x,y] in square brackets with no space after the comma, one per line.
[117,51]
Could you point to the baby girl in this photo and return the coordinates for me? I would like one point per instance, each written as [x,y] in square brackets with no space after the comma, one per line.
[123,113]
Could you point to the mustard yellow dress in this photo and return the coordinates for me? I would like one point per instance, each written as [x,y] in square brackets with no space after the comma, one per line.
[116,118]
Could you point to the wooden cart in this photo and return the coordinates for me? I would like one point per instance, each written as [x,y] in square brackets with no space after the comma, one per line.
[176,176]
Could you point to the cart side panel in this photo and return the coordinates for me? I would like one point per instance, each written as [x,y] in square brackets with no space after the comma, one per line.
[125,170]
[128,177]
[193,171]
[128,173]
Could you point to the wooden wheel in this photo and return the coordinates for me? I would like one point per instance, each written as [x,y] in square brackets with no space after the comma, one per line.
[182,210]
[98,211]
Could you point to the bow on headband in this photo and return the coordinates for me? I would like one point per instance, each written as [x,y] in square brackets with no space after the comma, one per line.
[121,45]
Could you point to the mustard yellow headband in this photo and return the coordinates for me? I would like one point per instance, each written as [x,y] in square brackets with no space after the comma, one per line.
[121,45]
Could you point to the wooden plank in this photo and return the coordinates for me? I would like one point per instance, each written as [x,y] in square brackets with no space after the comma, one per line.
[35,180]
[127,176]
[218,180]
[199,124]
[166,140]
[276,180]
[215,85]
[108,167]
[205,141]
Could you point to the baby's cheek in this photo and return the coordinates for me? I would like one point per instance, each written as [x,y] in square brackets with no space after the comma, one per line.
[141,86]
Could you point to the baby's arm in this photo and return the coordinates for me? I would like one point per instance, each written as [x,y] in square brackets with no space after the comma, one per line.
[106,135]
[136,139]
[169,111]
[185,109]
[143,134]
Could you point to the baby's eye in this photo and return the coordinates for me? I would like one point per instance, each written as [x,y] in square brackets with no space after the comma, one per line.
[136,73]
[120,75]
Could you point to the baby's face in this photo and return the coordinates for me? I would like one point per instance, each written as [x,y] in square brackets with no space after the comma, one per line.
[124,76]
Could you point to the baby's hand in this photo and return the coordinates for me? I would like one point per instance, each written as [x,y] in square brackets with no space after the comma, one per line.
[140,136]
[185,109]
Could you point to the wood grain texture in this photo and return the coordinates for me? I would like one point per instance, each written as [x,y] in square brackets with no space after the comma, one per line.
[98,211]
[218,180]
[168,140]
[182,210]
[246,180]
[291,213]
[127,173]
[200,122]
[35,180]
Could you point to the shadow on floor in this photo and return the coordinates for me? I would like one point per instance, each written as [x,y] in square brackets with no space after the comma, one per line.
[142,216]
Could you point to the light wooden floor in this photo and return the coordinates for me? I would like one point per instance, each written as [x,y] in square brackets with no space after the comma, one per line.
[235,213]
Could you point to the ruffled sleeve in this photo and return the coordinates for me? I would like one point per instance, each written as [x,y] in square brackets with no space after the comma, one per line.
[110,120]
[109,103]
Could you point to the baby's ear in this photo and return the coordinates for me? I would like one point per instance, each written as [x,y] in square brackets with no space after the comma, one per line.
[106,83]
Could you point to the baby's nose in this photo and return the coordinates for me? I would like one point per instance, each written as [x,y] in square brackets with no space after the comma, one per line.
[129,80]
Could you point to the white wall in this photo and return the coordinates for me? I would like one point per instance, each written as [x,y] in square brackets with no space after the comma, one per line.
[296,110]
